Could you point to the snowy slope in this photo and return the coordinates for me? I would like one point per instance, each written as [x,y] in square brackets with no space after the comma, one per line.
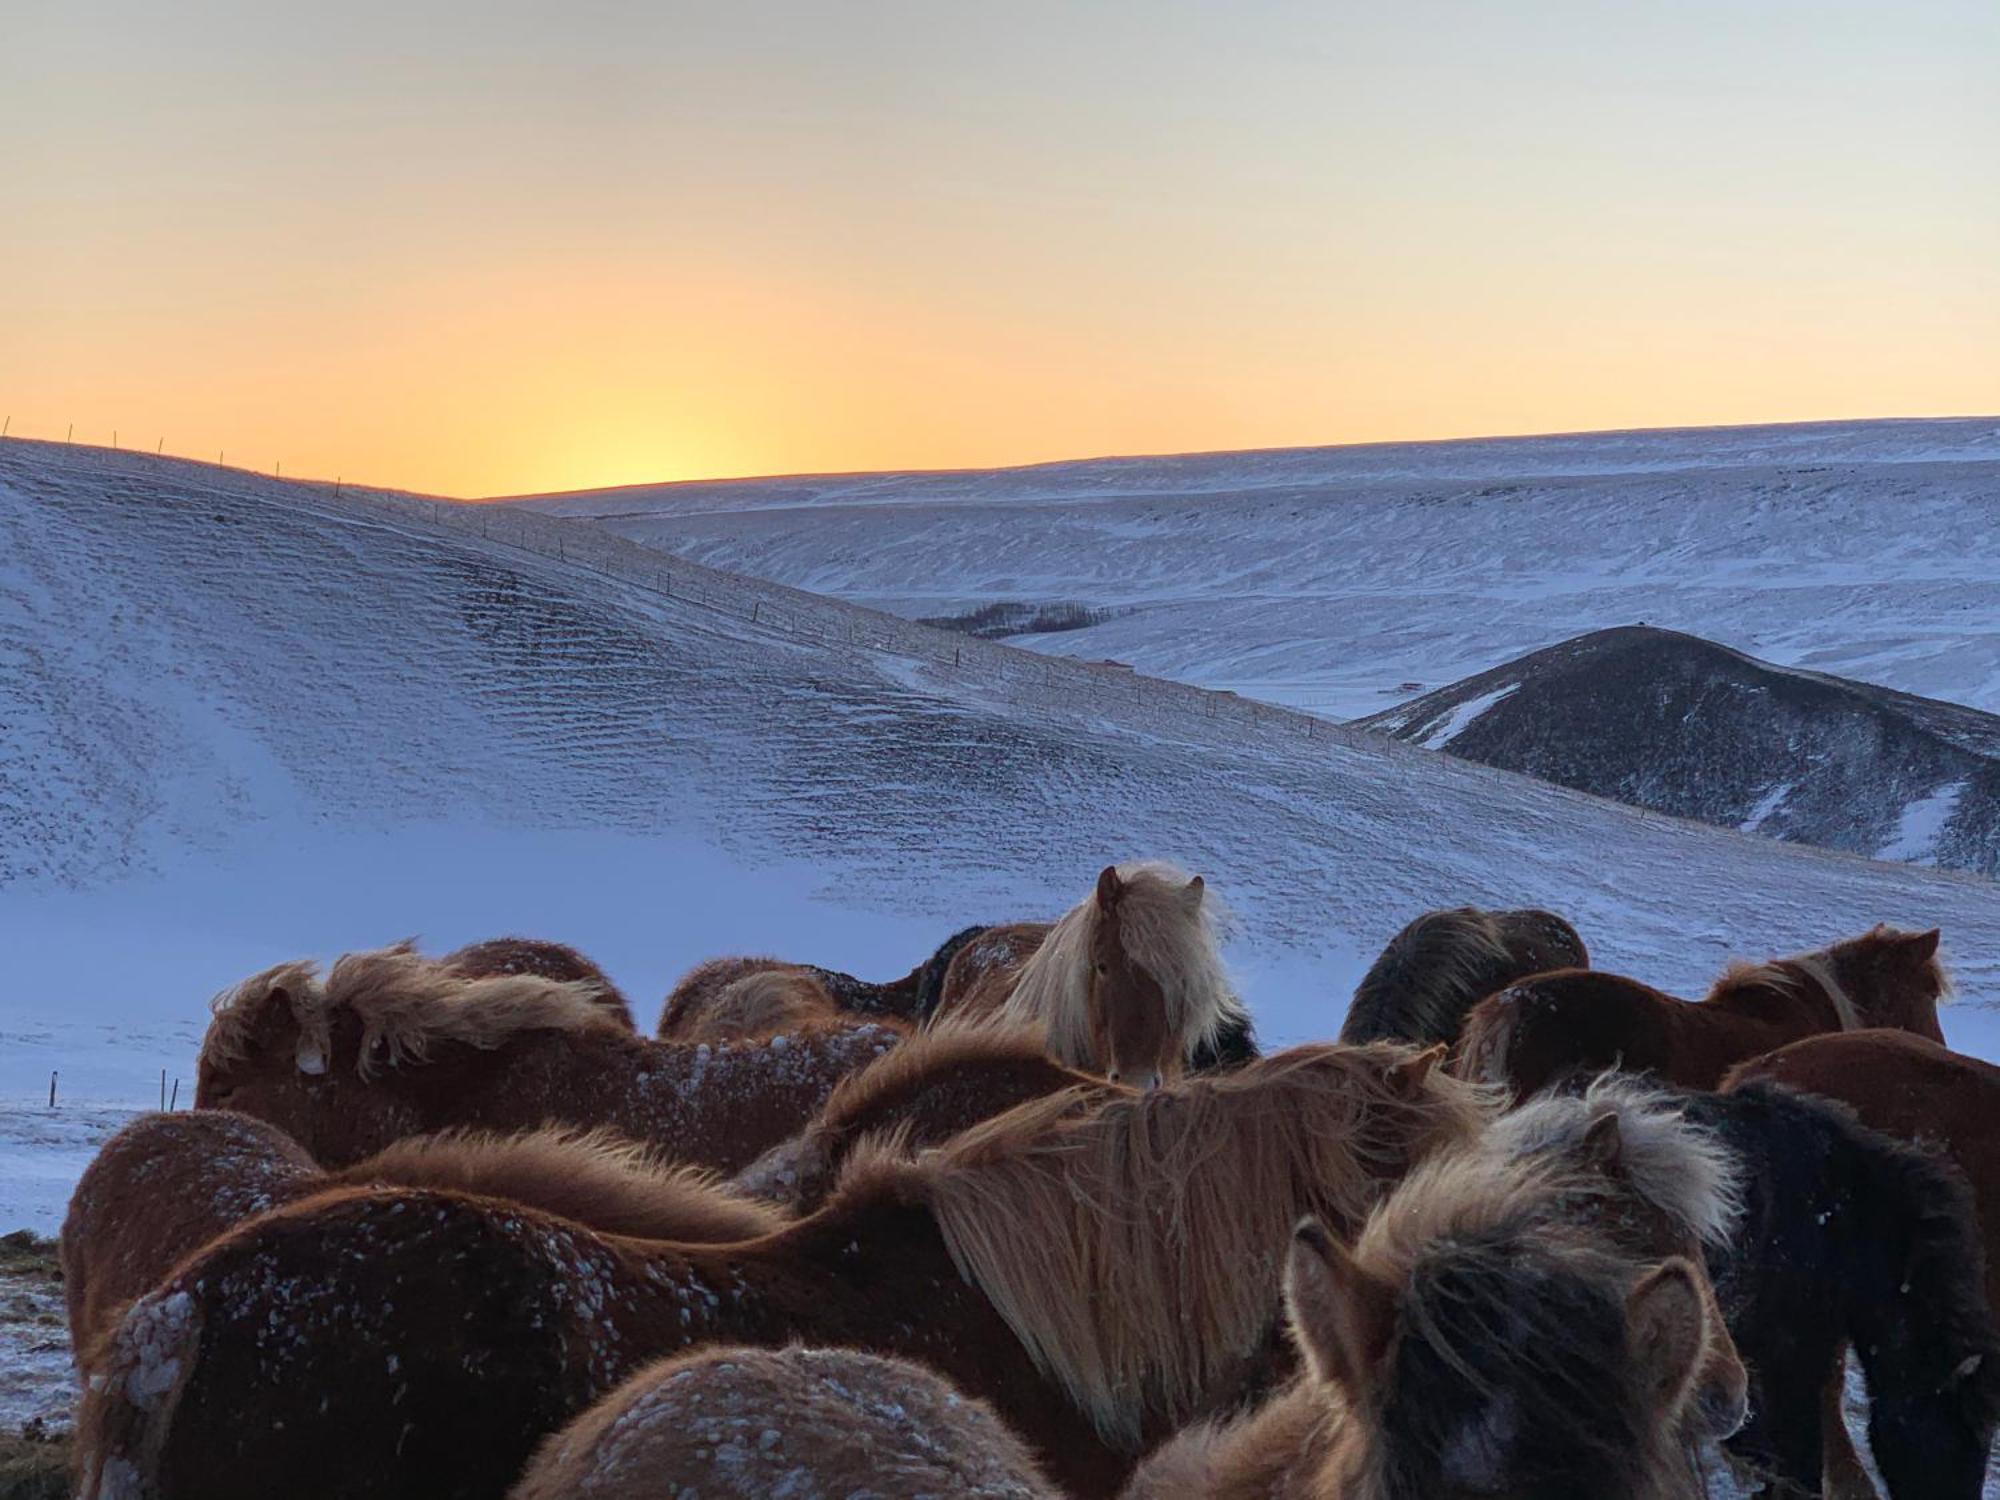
[1346,579]
[1681,725]
[249,719]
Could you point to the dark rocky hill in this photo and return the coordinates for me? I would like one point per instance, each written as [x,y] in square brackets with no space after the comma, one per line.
[1682,725]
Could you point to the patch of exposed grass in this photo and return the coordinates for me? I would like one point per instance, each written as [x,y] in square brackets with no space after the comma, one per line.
[31,1470]
[995,622]
[25,1252]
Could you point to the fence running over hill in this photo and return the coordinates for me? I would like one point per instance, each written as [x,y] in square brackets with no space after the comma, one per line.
[1027,679]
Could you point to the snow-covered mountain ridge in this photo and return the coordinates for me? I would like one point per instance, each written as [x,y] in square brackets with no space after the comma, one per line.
[1345,580]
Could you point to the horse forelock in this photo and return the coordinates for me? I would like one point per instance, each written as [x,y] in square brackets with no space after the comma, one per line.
[1510,1336]
[238,1011]
[1511,1352]
[1680,1168]
[1179,945]
[405,1002]
[1161,1218]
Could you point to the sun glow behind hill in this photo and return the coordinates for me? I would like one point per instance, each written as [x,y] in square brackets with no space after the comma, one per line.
[690,240]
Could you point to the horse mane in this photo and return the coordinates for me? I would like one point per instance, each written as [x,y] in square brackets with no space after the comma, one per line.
[1180,946]
[1110,1293]
[934,1050]
[1428,975]
[763,1002]
[406,1003]
[930,976]
[934,1058]
[1822,968]
[1798,976]
[1679,1167]
[594,1177]
[239,1011]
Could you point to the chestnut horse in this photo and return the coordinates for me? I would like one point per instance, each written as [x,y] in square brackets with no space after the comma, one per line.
[1508,1323]
[165,1185]
[1445,962]
[696,1009]
[751,1424]
[739,999]
[1578,1020]
[943,1080]
[559,961]
[395,1044]
[1129,983]
[1098,1277]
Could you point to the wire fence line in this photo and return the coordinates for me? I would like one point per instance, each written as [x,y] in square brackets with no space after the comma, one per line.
[1026,678]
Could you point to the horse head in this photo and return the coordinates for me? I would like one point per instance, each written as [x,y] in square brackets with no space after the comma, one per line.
[1894,979]
[1498,1366]
[1133,1027]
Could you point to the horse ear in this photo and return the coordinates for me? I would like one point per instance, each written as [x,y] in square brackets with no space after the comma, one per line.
[1192,892]
[1342,1316]
[1667,1323]
[1412,1073]
[1108,887]
[1603,1143]
[1922,946]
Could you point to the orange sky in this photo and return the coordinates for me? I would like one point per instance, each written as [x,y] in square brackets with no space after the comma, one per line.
[468,250]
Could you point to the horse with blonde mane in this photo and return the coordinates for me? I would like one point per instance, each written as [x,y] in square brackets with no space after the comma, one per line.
[750,1424]
[392,1044]
[943,1080]
[165,1185]
[1129,983]
[1583,1021]
[1524,1317]
[405,1342]
[499,956]
[1445,962]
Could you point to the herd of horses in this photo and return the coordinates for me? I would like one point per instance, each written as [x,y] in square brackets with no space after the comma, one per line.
[1038,1220]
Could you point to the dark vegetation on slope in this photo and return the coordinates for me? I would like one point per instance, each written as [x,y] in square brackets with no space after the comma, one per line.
[999,621]
[32,1467]
[1685,726]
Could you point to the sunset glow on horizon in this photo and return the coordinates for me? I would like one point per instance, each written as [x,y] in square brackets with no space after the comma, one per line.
[490,249]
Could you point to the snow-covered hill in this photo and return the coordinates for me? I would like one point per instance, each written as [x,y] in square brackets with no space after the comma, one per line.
[1681,725]
[248,719]
[1344,580]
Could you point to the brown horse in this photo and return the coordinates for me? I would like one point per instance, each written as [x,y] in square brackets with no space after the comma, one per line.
[1099,1277]
[394,1044]
[518,955]
[751,1424]
[1129,983]
[1506,1324]
[1577,1020]
[1444,963]
[166,1184]
[697,1008]
[943,1080]
[735,999]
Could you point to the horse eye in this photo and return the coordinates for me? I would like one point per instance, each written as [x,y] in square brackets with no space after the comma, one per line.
[1103,968]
